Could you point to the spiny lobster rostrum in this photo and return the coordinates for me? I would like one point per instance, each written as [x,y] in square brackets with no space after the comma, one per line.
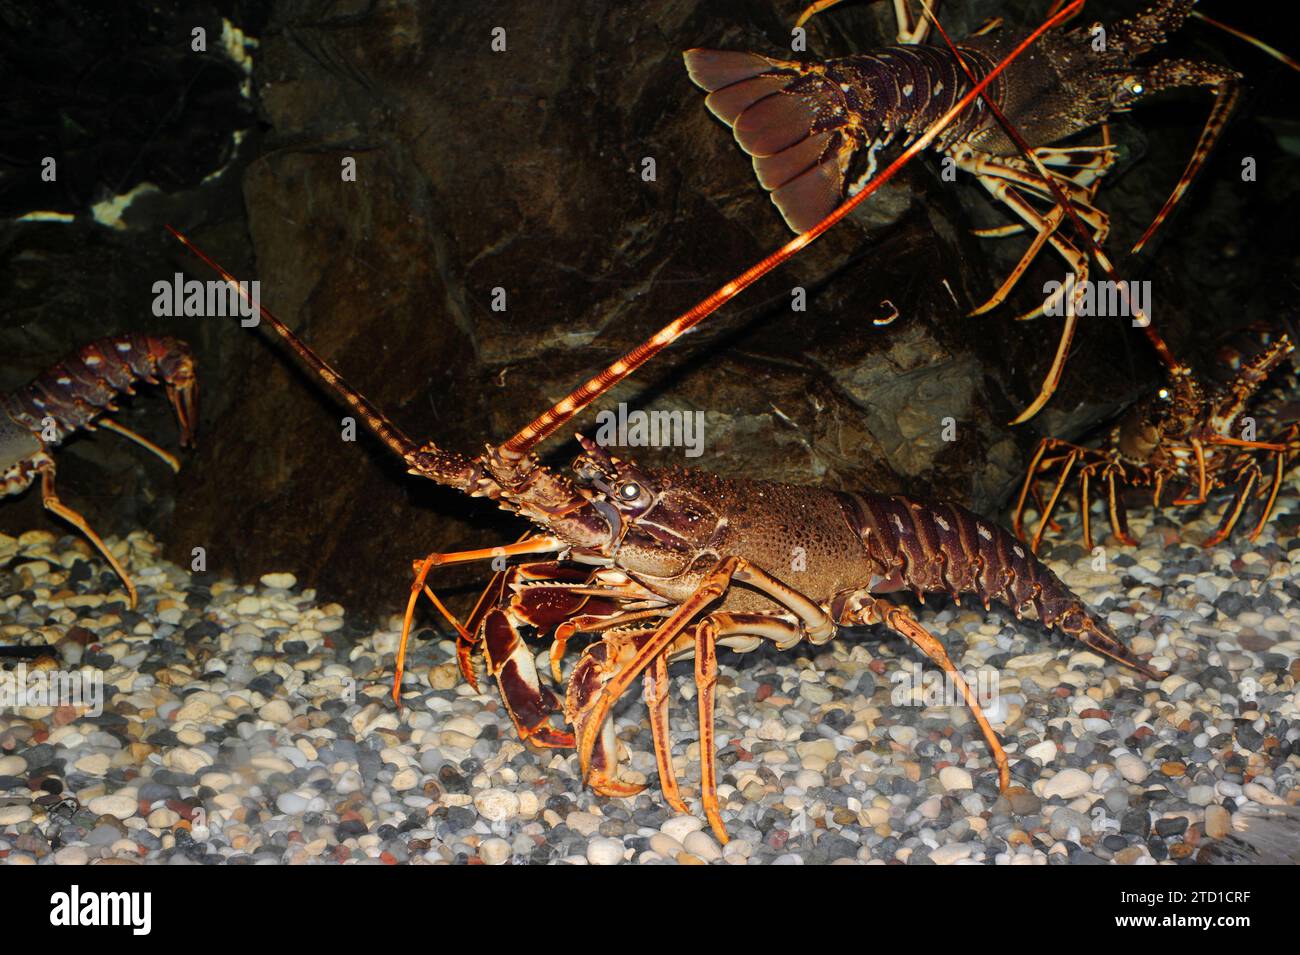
[74,395]
[814,129]
[670,563]
[1188,437]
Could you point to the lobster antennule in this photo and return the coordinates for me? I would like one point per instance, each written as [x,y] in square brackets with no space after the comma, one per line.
[558,415]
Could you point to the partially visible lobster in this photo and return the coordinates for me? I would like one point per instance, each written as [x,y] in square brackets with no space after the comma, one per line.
[74,395]
[1188,437]
[814,128]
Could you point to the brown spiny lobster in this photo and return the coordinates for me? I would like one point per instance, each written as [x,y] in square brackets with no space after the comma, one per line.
[662,563]
[74,395]
[668,563]
[1188,437]
[814,128]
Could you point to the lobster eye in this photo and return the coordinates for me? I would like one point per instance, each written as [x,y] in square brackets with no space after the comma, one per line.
[630,491]
[1129,91]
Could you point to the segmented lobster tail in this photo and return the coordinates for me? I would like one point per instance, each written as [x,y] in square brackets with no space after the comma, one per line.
[84,385]
[944,548]
[804,124]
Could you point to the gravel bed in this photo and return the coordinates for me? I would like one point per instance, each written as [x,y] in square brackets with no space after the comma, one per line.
[251,724]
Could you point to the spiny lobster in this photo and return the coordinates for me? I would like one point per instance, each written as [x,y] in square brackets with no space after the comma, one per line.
[663,563]
[1187,435]
[814,128]
[74,395]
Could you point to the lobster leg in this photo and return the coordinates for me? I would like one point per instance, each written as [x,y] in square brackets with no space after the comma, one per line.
[1202,482]
[1118,515]
[593,690]
[1278,469]
[706,681]
[1050,225]
[50,498]
[591,623]
[911,29]
[997,176]
[144,442]
[1031,473]
[529,704]
[1179,74]
[864,608]
[1232,513]
[1085,505]
[656,698]
[1051,501]
[530,545]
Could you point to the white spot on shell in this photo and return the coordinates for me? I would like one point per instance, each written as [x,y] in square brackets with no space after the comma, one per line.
[938,88]
[909,89]
[1015,549]
[92,360]
[984,532]
[942,523]
[123,346]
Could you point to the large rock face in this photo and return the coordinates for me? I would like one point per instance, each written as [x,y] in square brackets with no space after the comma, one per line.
[484,176]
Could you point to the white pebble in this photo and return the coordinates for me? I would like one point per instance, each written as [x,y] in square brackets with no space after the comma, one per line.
[679,827]
[953,852]
[700,843]
[93,764]
[1132,768]
[585,823]
[277,711]
[602,851]
[494,851]
[12,815]
[280,581]
[496,805]
[1067,783]
[12,765]
[121,805]
[953,778]
[1044,752]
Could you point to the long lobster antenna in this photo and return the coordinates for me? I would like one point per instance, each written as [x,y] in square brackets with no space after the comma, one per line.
[555,417]
[374,419]
[1251,39]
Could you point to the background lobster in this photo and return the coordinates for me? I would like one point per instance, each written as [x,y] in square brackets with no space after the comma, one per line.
[75,395]
[670,562]
[1189,438]
[814,128]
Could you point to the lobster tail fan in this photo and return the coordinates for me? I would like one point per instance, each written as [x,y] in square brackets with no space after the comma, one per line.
[787,118]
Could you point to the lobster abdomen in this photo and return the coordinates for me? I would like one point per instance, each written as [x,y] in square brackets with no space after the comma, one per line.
[81,387]
[944,548]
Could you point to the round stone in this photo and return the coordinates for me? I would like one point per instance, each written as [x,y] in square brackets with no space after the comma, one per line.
[120,805]
[1068,783]
[496,805]
[953,778]
[602,851]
